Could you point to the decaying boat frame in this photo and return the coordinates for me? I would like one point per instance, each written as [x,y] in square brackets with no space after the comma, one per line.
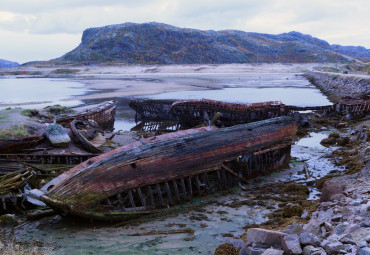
[152,110]
[194,112]
[17,145]
[68,159]
[104,115]
[157,175]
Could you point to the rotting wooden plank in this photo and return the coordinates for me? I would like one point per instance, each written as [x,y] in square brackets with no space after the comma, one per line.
[176,190]
[151,197]
[168,193]
[183,188]
[158,188]
[142,199]
[131,199]
[190,188]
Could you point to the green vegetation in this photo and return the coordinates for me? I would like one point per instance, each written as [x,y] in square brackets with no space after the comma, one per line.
[30,112]
[13,132]
[58,109]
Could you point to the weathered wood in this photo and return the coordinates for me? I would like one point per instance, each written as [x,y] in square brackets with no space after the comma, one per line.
[168,193]
[183,188]
[176,190]
[151,197]
[142,199]
[190,188]
[159,194]
[131,199]
[166,160]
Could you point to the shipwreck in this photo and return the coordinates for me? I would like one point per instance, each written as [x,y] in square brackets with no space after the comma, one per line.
[160,172]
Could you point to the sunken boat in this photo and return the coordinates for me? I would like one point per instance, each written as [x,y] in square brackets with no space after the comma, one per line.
[152,109]
[196,111]
[152,177]
[89,134]
[18,144]
[104,115]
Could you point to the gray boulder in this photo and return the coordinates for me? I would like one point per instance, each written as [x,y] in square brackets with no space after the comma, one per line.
[272,251]
[247,250]
[57,137]
[330,189]
[364,251]
[308,250]
[309,239]
[264,237]
[291,244]
[334,247]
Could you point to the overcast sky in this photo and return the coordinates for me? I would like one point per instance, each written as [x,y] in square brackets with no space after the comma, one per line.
[45,29]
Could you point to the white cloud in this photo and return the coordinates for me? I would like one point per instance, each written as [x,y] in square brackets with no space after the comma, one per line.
[337,21]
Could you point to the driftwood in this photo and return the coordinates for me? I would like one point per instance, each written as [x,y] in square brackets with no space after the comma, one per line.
[176,167]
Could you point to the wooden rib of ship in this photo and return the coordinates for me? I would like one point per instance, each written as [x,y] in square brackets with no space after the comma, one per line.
[103,114]
[149,178]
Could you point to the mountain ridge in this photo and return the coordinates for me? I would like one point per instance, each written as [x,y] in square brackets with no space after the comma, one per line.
[159,43]
[6,63]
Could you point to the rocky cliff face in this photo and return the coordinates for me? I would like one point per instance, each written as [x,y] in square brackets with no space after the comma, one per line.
[156,43]
[5,63]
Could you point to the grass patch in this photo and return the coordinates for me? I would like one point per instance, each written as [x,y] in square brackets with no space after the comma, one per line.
[58,109]
[13,132]
[30,112]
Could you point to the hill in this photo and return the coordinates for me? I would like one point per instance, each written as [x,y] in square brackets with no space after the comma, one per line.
[5,63]
[157,43]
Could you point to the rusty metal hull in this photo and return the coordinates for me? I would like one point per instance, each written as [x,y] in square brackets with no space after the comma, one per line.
[89,190]
[104,115]
[17,145]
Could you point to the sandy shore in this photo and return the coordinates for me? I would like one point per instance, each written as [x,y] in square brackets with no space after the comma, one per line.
[108,81]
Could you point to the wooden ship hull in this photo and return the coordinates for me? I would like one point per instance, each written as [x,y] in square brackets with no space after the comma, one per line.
[104,115]
[195,112]
[157,175]
[152,110]
[19,144]
[89,135]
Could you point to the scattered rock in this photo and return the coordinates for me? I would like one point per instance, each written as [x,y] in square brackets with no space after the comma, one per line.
[362,244]
[346,240]
[291,244]
[263,236]
[309,239]
[247,250]
[272,251]
[294,228]
[367,239]
[355,202]
[329,189]
[364,251]
[57,137]
[304,214]
[334,247]
[308,250]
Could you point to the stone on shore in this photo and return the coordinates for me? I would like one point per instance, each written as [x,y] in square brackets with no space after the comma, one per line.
[364,251]
[291,244]
[272,251]
[57,137]
[309,239]
[264,237]
[330,189]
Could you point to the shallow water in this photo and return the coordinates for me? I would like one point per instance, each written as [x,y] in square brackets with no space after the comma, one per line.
[37,92]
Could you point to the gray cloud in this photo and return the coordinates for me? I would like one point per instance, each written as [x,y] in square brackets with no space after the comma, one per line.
[337,21]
